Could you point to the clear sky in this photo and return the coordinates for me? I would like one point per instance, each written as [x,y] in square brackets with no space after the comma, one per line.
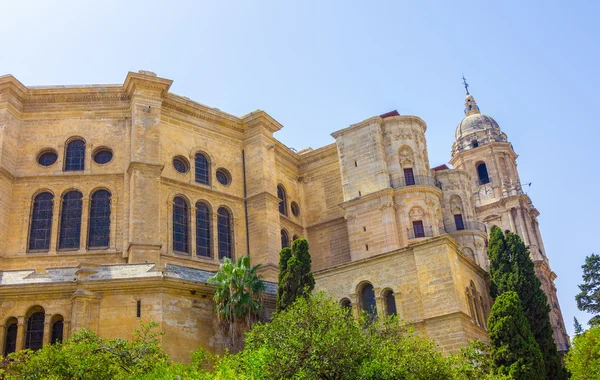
[319,66]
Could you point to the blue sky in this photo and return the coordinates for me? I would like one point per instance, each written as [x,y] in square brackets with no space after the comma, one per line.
[319,66]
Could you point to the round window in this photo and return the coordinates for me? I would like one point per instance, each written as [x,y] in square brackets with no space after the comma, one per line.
[223,176]
[47,158]
[103,156]
[181,164]
[295,209]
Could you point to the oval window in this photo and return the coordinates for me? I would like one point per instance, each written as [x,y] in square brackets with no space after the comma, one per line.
[295,209]
[103,156]
[47,158]
[223,176]
[181,164]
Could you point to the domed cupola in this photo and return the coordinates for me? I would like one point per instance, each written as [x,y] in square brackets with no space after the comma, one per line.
[476,128]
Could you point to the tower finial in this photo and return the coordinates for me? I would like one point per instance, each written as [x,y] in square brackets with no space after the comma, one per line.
[466,84]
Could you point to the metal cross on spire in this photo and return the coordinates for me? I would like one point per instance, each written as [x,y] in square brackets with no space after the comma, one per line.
[466,84]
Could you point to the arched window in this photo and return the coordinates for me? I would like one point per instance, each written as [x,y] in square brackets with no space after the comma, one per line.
[180,225]
[57,330]
[347,305]
[70,221]
[10,340]
[367,300]
[225,233]
[202,230]
[41,222]
[483,174]
[285,239]
[296,237]
[75,156]
[202,169]
[99,224]
[34,335]
[282,200]
[390,303]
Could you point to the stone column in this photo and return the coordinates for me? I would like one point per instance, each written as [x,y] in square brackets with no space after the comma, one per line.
[113,222]
[85,214]
[26,222]
[20,333]
[55,220]
[2,338]
[379,304]
[215,236]
[192,225]
[47,329]
[66,330]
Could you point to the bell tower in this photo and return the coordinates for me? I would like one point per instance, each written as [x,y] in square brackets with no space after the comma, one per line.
[483,150]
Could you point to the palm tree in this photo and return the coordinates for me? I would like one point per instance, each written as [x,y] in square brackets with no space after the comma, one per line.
[237,298]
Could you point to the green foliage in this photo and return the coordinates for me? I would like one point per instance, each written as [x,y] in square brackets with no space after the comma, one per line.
[512,269]
[315,339]
[296,280]
[589,297]
[237,298]
[87,356]
[514,351]
[583,360]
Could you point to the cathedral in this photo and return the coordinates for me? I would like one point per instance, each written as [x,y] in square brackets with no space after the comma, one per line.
[118,202]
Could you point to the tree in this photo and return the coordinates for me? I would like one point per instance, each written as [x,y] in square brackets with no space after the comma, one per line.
[583,359]
[284,256]
[577,326]
[297,279]
[514,351]
[512,269]
[589,298]
[237,298]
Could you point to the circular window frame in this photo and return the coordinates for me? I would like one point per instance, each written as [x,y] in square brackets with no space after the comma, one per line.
[44,151]
[102,149]
[295,209]
[227,175]
[185,162]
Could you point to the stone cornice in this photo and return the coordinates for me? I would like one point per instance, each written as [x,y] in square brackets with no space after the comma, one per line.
[261,118]
[366,198]
[503,202]
[201,189]
[134,81]
[6,174]
[319,154]
[185,106]
[147,166]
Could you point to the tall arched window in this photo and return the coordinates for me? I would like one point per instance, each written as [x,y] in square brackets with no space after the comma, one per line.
[202,230]
[367,300]
[10,340]
[75,155]
[390,302]
[225,233]
[285,239]
[99,225]
[180,225]
[483,173]
[282,200]
[57,330]
[70,221]
[34,335]
[202,169]
[41,222]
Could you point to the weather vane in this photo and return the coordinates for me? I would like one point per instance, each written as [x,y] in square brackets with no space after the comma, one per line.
[466,84]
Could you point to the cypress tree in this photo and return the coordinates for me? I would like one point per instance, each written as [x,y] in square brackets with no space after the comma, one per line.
[297,280]
[514,351]
[284,256]
[512,269]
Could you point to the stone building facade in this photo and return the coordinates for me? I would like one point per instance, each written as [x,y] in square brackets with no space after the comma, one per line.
[117,203]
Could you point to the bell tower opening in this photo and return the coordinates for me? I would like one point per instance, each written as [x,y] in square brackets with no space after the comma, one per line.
[483,173]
